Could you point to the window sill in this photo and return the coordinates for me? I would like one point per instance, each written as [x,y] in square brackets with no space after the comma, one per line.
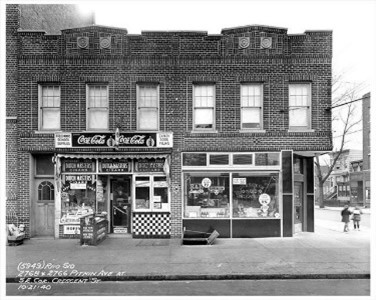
[47,131]
[252,131]
[204,131]
[301,130]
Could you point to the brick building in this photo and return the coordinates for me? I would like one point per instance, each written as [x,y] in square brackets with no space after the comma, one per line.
[162,131]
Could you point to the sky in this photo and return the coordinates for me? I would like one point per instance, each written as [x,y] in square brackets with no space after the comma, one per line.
[353,24]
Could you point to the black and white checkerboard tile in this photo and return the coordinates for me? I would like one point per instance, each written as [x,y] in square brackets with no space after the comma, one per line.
[151,225]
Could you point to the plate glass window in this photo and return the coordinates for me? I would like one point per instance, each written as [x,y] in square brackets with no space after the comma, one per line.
[97,107]
[203,107]
[300,106]
[148,107]
[49,107]
[251,106]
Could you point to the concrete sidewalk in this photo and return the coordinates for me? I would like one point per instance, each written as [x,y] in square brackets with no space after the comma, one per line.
[323,254]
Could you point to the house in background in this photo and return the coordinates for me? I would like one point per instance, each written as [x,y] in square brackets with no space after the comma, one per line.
[339,180]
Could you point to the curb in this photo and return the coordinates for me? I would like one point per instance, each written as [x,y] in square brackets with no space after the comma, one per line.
[192,277]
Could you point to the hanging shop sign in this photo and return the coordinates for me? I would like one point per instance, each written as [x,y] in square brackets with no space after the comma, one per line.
[150,165]
[114,166]
[78,166]
[113,140]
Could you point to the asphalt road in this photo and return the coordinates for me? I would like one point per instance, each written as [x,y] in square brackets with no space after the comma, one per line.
[291,287]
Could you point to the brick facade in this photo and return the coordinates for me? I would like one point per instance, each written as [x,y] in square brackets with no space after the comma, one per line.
[175,60]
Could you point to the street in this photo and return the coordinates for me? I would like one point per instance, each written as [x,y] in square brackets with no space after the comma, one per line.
[331,220]
[291,287]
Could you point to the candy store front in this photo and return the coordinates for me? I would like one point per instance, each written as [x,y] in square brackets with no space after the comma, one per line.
[244,194]
[130,189]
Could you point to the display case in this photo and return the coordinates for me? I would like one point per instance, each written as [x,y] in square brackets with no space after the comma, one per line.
[93,229]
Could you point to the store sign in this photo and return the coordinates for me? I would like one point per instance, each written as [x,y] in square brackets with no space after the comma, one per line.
[78,166]
[111,140]
[114,166]
[71,229]
[150,165]
[79,178]
[77,186]
[264,199]
[206,182]
[239,181]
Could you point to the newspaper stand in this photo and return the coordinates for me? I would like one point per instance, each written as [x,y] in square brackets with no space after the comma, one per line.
[93,230]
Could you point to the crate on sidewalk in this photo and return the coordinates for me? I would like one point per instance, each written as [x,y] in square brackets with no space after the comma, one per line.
[192,237]
[93,230]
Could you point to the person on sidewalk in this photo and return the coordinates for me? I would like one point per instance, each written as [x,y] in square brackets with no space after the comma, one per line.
[345,213]
[356,217]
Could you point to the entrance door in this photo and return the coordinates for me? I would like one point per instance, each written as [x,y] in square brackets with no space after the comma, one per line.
[121,204]
[298,207]
[44,207]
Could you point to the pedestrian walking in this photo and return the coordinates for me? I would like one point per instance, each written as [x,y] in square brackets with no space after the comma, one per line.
[345,213]
[356,217]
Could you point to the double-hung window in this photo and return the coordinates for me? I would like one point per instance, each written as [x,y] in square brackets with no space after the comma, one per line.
[148,107]
[49,107]
[251,106]
[300,106]
[97,107]
[204,107]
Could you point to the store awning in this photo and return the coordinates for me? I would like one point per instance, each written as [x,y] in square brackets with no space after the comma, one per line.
[113,156]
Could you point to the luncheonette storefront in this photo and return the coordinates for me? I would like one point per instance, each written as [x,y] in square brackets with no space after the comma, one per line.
[128,189]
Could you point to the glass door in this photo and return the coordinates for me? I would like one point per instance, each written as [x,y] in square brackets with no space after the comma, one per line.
[298,206]
[121,204]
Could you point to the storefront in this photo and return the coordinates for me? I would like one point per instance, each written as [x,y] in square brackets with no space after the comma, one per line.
[130,189]
[247,194]
[238,194]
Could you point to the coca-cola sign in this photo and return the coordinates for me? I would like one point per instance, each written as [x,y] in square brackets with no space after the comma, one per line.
[113,140]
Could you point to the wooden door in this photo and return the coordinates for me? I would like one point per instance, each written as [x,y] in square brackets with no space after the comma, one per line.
[44,207]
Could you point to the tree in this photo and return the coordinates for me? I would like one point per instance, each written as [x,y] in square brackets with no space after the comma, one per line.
[344,96]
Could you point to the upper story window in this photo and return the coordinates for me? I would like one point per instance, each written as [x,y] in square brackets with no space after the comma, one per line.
[49,107]
[251,106]
[97,107]
[148,107]
[300,106]
[204,107]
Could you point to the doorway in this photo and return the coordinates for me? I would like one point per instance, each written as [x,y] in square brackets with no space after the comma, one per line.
[44,207]
[120,195]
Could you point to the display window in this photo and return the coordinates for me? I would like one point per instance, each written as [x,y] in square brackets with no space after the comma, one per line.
[206,195]
[151,193]
[255,195]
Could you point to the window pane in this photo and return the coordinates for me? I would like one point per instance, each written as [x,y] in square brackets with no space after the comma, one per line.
[220,159]
[194,159]
[298,117]
[267,159]
[98,119]
[161,192]
[247,190]
[206,196]
[50,119]
[242,159]
[203,118]
[142,197]
[44,165]
[148,119]
[251,118]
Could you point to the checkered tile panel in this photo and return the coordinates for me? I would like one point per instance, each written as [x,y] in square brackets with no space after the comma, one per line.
[149,224]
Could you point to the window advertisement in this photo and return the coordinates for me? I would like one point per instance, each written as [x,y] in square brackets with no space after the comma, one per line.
[206,195]
[255,195]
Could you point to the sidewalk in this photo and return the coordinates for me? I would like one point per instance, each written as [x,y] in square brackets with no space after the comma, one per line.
[323,254]
[364,210]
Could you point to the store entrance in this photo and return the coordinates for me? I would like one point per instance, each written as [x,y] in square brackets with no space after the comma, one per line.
[120,204]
